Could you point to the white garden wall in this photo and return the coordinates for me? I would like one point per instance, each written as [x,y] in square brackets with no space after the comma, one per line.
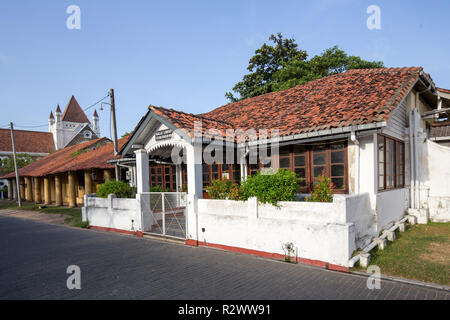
[320,231]
[112,213]
[435,174]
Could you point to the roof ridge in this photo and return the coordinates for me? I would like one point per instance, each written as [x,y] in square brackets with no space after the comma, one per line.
[199,115]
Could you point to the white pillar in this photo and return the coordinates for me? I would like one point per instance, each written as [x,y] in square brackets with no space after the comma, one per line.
[194,171]
[142,171]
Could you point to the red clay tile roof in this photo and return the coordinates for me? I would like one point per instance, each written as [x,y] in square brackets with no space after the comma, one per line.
[354,97]
[186,121]
[351,98]
[88,155]
[74,113]
[27,141]
[444,90]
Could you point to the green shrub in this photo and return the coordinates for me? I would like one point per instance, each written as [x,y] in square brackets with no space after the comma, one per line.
[224,189]
[271,188]
[158,188]
[322,191]
[119,188]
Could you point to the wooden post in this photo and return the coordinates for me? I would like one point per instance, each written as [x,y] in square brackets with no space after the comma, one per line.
[72,193]
[47,191]
[58,190]
[87,182]
[37,190]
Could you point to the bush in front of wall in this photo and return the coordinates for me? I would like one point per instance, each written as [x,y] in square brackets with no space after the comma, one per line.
[224,189]
[158,188]
[119,188]
[322,191]
[271,188]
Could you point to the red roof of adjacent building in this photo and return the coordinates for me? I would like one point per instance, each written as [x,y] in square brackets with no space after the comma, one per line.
[74,113]
[88,155]
[27,141]
[354,97]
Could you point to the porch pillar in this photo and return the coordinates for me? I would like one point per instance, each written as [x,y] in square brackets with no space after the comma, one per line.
[72,193]
[194,171]
[107,175]
[58,190]
[47,191]
[37,190]
[28,189]
[178,178]
[22,188]
[14,189]
[10,190]
[142,171]
[87,182]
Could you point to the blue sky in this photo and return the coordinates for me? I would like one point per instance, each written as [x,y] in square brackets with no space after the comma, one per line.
[187,54]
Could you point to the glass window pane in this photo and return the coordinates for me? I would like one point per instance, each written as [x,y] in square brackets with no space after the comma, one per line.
[319,170]
[285,151]
[338,183]
[337,146]
[299,161]
[285,163]
[337,157]
[338,170]
[300,172]
[380,182]
[319,158]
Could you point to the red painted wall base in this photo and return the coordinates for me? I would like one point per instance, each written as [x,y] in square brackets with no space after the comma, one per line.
[136,233]
[269,255]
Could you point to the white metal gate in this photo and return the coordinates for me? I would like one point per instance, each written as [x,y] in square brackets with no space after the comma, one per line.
[164,214]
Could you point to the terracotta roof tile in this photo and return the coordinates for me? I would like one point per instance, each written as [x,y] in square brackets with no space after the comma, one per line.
[354,97]
[27,141]
[88,155]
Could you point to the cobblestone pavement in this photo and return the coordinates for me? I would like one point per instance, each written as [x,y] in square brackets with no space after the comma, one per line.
[34,257]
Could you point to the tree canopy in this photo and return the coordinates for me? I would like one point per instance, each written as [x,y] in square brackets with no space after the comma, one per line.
[283,65]
[7,164]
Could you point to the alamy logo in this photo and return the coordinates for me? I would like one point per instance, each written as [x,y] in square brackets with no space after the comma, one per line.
[374,20]
[74,280]
[74,20]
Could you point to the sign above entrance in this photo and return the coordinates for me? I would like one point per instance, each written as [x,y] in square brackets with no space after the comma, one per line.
[163,135]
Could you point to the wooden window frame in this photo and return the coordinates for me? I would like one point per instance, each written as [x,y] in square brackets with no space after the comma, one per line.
[396,174]
[309,167]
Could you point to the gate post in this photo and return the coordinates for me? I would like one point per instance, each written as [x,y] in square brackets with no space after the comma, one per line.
[142,171]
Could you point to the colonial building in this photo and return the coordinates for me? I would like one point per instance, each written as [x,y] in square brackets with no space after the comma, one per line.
[367,130]
[72,126]
[65,176]
[34,143]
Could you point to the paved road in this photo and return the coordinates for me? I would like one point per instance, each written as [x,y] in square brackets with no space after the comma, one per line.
[34,257]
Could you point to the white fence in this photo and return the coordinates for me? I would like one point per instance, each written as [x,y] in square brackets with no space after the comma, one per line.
[326,232]
[112,213]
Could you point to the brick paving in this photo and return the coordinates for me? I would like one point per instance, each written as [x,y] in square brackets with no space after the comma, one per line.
[34,257]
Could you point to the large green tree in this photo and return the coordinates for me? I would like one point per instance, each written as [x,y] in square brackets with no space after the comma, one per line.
[7,164]
[284,65]
[264,64]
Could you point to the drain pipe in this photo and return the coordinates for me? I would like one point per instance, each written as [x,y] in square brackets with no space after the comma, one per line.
[357,164]
[411,160]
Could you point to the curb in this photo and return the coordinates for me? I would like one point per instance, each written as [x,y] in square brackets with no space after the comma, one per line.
[407,281]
